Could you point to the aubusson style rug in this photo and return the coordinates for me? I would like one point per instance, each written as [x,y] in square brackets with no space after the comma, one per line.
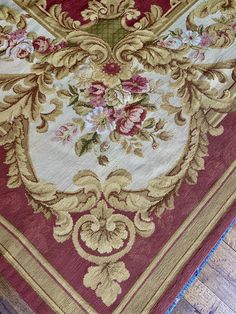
[118,145]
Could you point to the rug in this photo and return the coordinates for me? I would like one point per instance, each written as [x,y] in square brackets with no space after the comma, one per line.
[117,135]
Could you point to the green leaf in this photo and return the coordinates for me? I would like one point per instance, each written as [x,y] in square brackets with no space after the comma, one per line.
[173,33]
[63,93]
[149,123]
[143,98]
[138,152]
[74,100]
[139,98]
[165,136]
[160,125]
[148,107]
[170,109]
[80,122]
[115,136]
[73,90]
[81,109]
[144,135]
[86,143]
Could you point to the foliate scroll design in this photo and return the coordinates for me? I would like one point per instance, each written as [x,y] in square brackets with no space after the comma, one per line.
[115,92]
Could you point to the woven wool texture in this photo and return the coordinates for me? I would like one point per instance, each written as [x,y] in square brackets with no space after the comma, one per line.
[117,135]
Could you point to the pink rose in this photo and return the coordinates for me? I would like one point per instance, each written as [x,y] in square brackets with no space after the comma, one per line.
[21,49]
[137,84]
[129,122]
[115,114]
[206,40]
[17,35]
[41,44]
[97,101]
[97,89]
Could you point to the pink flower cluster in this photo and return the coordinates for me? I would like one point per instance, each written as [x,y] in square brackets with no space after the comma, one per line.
[16,44]
[97,90]
[43,45]
[137,84]
[129,119]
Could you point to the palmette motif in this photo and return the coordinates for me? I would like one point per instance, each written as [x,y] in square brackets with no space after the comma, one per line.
[110,88]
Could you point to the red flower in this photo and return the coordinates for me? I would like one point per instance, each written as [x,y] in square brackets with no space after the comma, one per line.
[61,45]
[97,89]
[111,68]
[41,44]
[129,122]
[136,84]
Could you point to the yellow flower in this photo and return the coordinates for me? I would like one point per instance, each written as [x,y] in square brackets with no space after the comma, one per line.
[111,73]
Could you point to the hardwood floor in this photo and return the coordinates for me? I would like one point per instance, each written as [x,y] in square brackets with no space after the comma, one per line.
[214,291]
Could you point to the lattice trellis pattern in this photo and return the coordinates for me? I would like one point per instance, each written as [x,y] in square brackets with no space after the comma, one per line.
[109,30]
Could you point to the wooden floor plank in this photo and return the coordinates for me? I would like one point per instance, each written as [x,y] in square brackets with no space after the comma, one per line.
[230,239]
[205,301]
[10,301]
[219,285]
[224,262]
[183,307]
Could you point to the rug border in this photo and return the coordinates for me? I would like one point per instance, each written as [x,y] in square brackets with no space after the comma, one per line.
[216,203]
[41,15]
[198,271]
[141,295]
[212,211]
[37,272]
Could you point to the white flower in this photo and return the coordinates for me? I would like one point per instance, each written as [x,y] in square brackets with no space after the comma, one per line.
[3,43]
[191,38]
[117,97]
[99,121]
[83,76]
[21,49]
[173,42]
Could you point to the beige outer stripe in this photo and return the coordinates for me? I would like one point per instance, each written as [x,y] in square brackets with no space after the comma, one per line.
[184,248]
[189,253]
[14,246]
[35,285]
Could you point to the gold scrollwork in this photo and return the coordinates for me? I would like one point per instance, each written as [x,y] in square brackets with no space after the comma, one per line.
[106,231]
